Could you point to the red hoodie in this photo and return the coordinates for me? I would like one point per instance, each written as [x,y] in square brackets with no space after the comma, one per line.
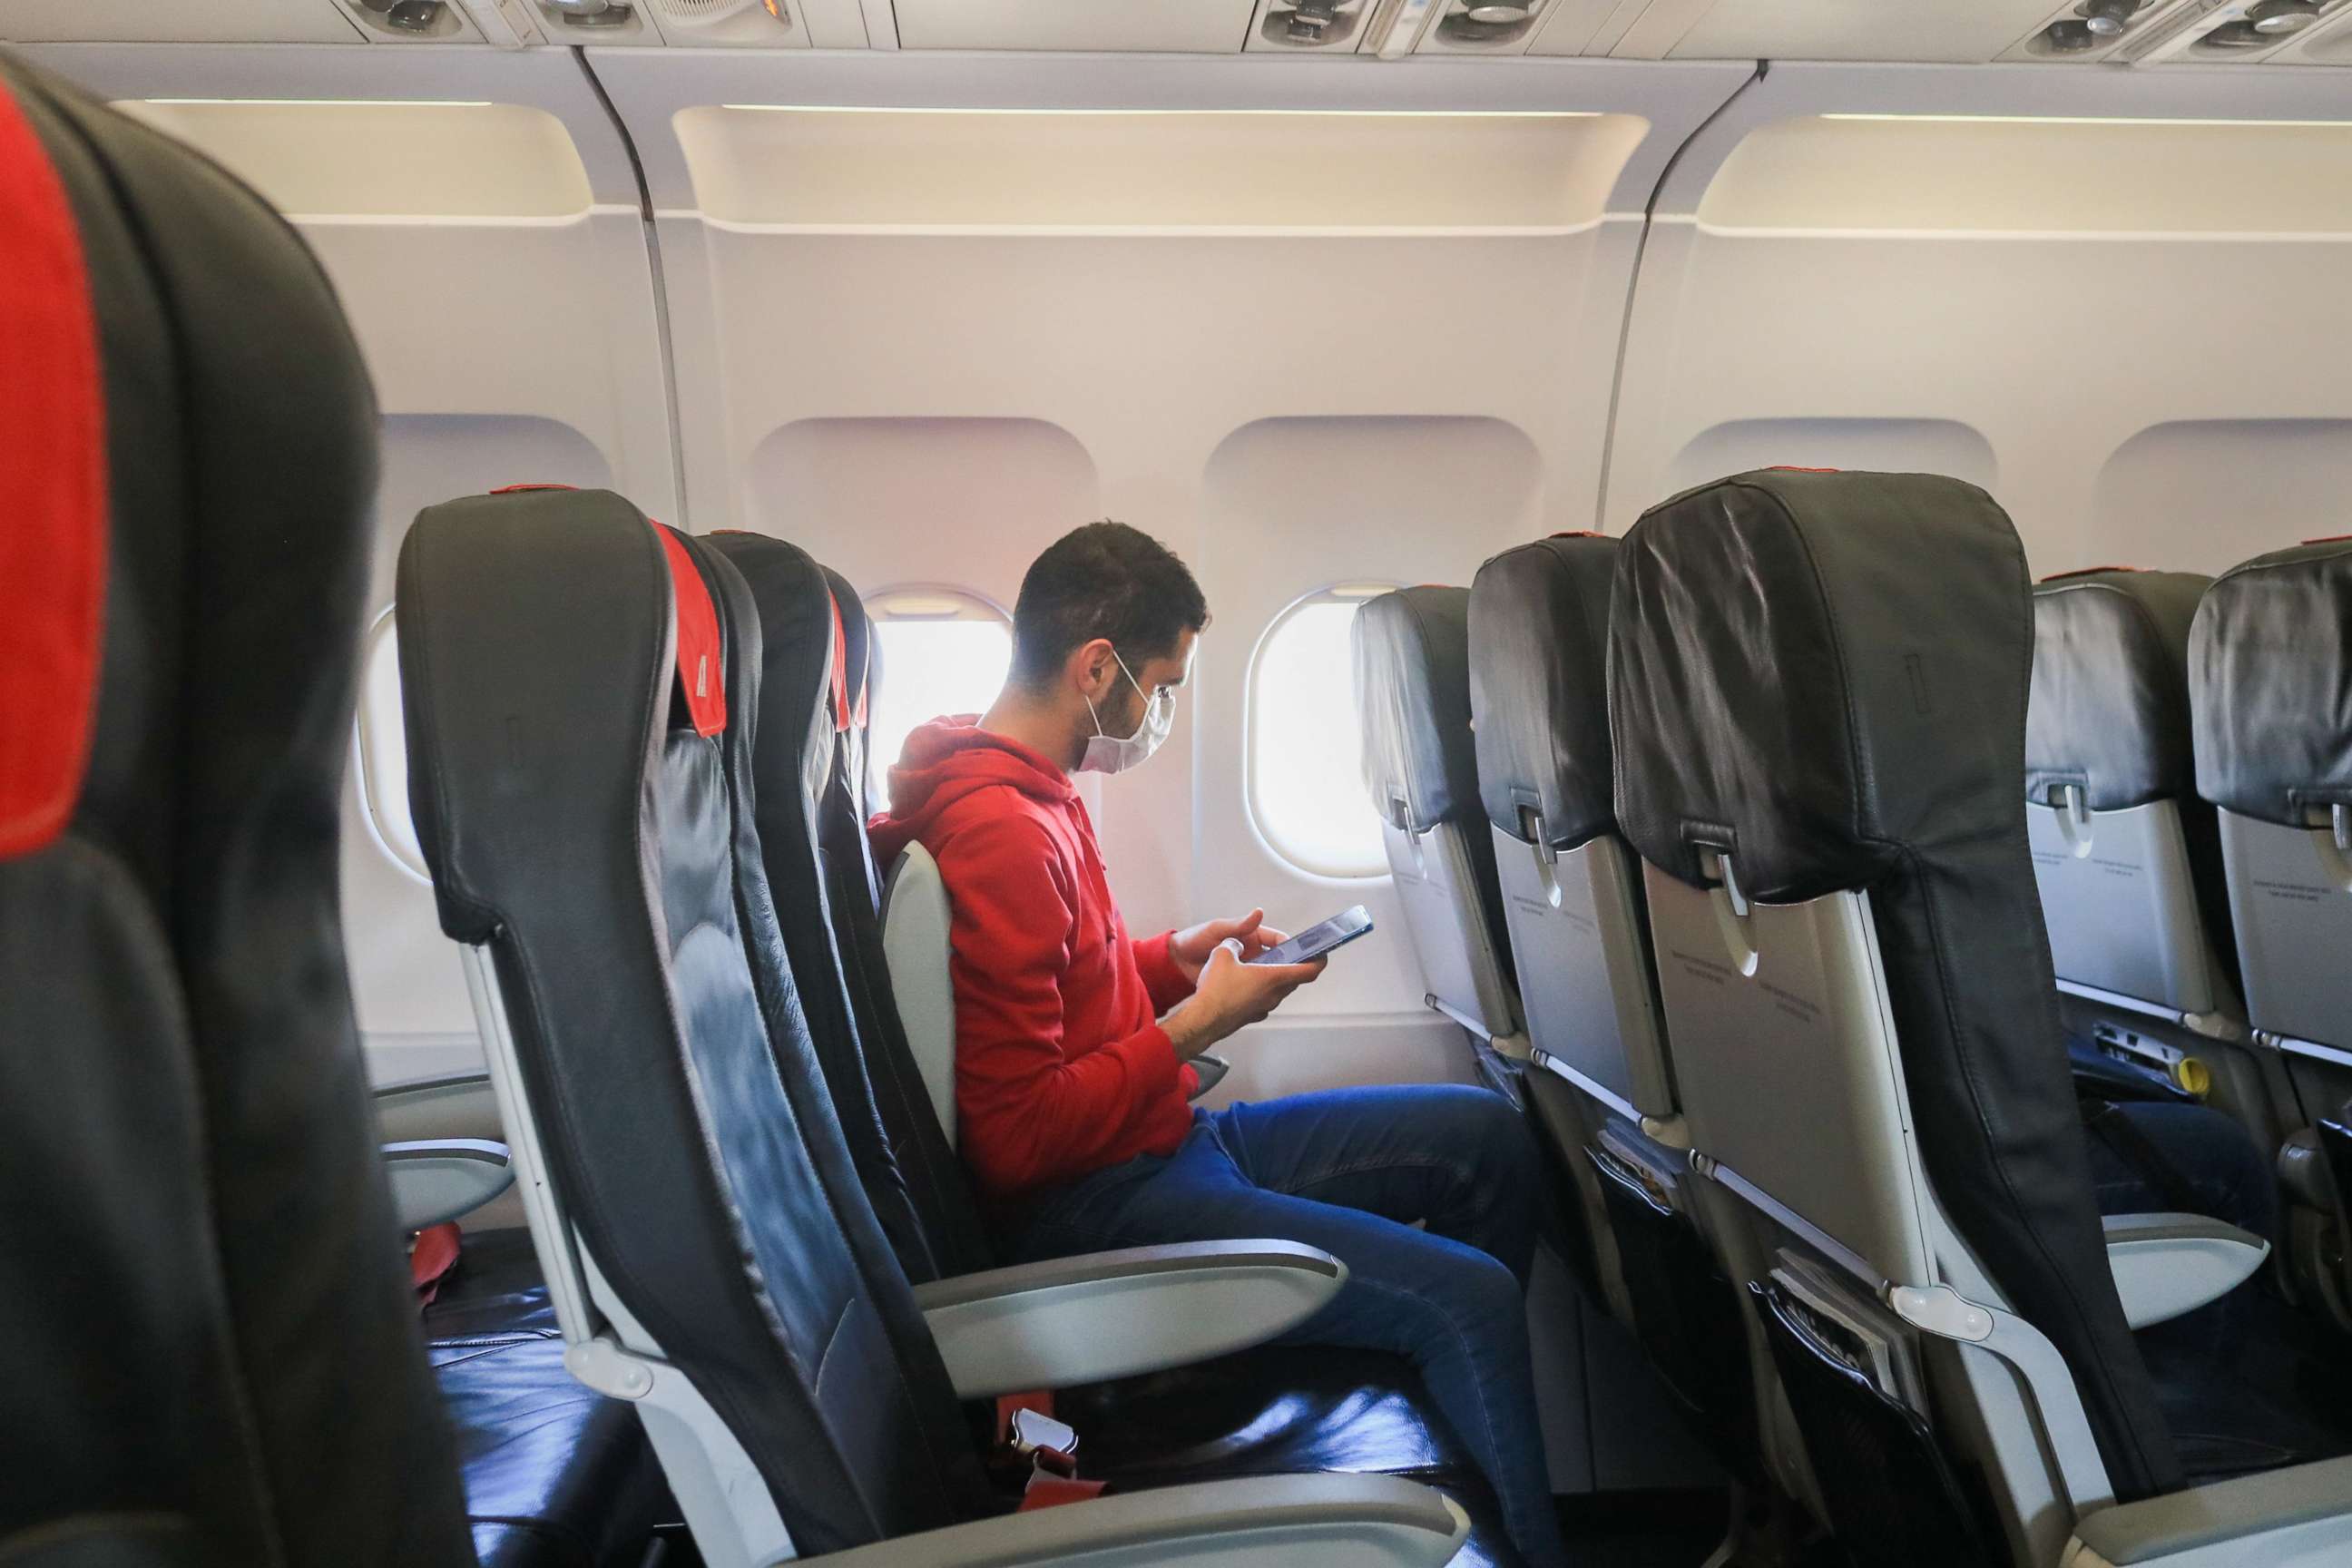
[1062,1069]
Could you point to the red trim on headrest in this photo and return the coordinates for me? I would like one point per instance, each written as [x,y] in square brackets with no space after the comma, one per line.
[701,661]
[517,489]
[1577,534]
[53,545]
[1792,468]
[2089,572]
[840,665]
[2329,539]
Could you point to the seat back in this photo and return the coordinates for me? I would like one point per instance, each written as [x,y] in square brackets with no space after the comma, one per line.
[213,1352]
[2271,695]
[1538,640]
[801,679]
[1817,697]
[809,778]
[2126,855]
[916,919]
[582,702]
[1412,690]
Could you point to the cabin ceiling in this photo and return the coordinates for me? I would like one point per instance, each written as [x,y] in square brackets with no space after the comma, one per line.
[2058,32]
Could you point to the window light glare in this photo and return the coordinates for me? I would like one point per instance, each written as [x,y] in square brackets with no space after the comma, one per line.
[1305,794]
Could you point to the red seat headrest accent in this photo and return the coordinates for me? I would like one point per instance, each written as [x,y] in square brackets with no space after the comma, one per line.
[2330,539]
[518,490]
[701,660]
[1793,468]
[1578,533]
[53,544]
[840,715]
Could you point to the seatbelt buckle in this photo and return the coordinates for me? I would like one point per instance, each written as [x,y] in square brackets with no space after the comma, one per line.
[1048,1444]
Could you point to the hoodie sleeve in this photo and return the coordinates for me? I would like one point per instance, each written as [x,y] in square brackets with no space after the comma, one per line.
[1026,1115]
[1161,977]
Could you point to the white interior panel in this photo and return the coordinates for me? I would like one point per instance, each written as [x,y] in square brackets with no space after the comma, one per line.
[980,330]
[2203,495]
[202,21]
[398,159]
[407,986]
[1893,445]
[837,168]
[1292,505]
[1202,26]
[2033,175]
[1981,323]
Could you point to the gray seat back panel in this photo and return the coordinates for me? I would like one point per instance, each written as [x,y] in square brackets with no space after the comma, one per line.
[2120,901]
[1577,934]
[2291,896]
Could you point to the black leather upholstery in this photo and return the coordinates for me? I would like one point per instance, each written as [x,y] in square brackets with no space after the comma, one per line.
[2109,712]
[804,783]
[556,1476]
[1412,687]
[2271,684]
[793,756]
[1542,722]
[1419,760]
[594,844]
[212,1352]
[1825,676]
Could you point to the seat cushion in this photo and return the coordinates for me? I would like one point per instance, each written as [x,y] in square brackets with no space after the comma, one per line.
[1282,1410]
[556,1475]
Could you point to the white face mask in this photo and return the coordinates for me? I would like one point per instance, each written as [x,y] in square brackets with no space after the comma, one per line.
[1116,753]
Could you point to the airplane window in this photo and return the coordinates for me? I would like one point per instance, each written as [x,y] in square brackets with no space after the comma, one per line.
[1306,786]
[936,650]
[381,747]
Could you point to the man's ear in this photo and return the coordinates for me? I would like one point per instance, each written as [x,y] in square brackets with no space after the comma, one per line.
[1090,664]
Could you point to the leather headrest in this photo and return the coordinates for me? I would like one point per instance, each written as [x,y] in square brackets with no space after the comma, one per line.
[797,632]
[1540,688]
[2271,684]
[53,448]
[1412,689]
[856,646]
[1820,673]
[2109,711]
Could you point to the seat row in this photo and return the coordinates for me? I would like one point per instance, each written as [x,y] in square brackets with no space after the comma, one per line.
[751,1276]
[1722,825]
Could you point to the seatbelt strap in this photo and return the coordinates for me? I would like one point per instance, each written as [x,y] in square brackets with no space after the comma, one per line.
[431,1259]
[2123,1136]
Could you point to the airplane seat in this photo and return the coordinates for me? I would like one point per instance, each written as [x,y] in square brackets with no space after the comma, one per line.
[2271,662]
[2126,856]
[1412,689]
[1817,697]
[212,1354]
[1538,640]
[589,821]
[1302,1409]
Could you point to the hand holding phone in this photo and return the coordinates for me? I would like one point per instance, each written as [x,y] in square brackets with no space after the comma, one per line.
[1318,940]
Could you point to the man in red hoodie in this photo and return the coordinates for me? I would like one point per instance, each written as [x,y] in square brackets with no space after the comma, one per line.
[1073,1090]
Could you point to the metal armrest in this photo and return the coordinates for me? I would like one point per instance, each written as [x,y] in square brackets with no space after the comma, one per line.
[437,1178]
[1272,1521]
[1111,1314]
[1208,1071]
[2167,1263]
[450,1105]
[2295,1518]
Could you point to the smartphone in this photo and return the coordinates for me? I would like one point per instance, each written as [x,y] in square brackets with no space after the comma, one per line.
[1316,940]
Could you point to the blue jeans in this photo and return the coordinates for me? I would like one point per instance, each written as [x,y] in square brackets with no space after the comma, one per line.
[2168,1156]
[1349,1171]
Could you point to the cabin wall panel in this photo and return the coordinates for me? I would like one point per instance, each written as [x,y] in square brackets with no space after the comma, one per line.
[2152,372]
